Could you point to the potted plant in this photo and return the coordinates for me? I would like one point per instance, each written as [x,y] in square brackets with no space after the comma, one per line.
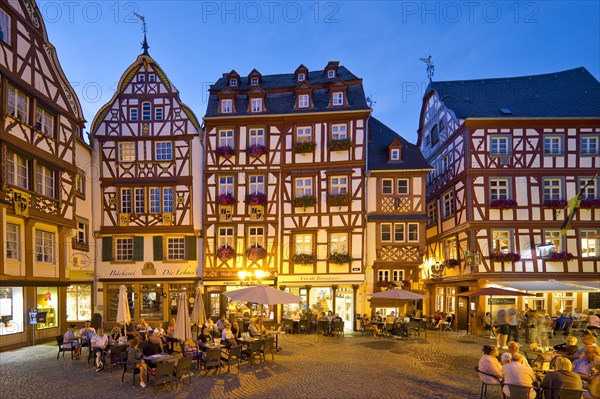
[256,252]
[305,201]
[340,258]
[555,204]
[451,262]
[505,257]
[225,199]
[338,199]
[590,203]
[383,284]
[257,150]
[303,259]
[304,147]
[560,256]
[340,145]
[225,253]
[225,151]
[256,199]
[503,204]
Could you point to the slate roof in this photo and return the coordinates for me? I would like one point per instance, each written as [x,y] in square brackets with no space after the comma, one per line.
[282,101]
[570,93]
[380,137]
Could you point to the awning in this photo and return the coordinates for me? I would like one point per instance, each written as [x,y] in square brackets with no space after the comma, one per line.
[548,285]
[593,284]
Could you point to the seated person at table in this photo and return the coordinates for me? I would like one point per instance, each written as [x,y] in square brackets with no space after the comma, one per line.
[562,377]
[70,342]
[366,322]
[211,325]
[260,326]
[204,335]
[437,317]
[171,326]
[489,364]
[152,346]
[295,316]
[594,325]
[561,324]
[389,319]
[287,314]
[221,322]
[159,330]
[236,330]
[253,328]
[99,344]
[588,364]
[116,333]
[593,389]
[569,347]
[87,328]
[190,348]
[587,340]
[130,327]
[322,316]
[143,325]
[134,360]
[516,372]
[337,318]
[227,337]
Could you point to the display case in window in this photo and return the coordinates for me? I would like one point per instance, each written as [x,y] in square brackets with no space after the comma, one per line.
[47,302]
[11,310]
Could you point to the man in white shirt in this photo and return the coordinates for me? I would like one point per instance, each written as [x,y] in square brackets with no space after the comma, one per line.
[516,372]
[99,344]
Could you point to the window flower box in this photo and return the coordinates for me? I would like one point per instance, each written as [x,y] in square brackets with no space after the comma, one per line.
[225,253]
[256,253]
[303,259]
[560,256]
[306,201]
[340,145]
[257,150]
[225,152]
[338,199]
[451,263]
[405,283]
[505,257]
[225,199]
[340,258]
[256,199]
[556,204]
[384,284]
[503,204]
[590,203]
[304,147]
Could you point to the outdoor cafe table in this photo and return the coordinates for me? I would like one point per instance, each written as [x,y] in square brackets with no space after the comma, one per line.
[159,358]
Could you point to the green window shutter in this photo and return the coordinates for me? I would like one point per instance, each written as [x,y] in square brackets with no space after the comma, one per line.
[138,248]
[107,250]
[158,247]
[190,247]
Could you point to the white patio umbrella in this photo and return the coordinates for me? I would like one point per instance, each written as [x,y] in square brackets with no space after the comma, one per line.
[123,314]
[263,294]
[183,329]
[198,315]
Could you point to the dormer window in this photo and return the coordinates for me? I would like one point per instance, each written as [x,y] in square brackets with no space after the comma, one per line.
[395,154]
[233,82]
[303,101]
[226,106]
[301,77]
[152,78]
[330,74]
[338,98]
[256,105]
[254,81]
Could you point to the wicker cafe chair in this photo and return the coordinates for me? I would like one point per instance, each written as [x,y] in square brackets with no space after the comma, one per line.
[484,385]
[129,367]
[184,369]
[517,392]
[567,393]
[267,348]
[212,359]
[116,355]
[62,347]
[338,328]
[232,357]
[164,374]
[253,351]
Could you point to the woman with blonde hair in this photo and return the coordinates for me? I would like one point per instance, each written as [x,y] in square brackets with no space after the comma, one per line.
[562,377]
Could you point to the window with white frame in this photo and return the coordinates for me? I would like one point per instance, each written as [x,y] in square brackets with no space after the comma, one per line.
[13,241]
[398,232]
[397,275]
[499,145]
[17,168]
[133,114]
[226,138]
[338,185]
[45,180]
[338,243]
[303,186]
[226,106]
[301,77]
[141,78]
[304,135]
[448,200]
[552,145]
[44,121]
[176,248]
[338,132]
[256,105]
[432,215]
[17,104]
[126,200]
[402,186]
[256,184]
[386,232]
[159,113]
[146,111]
[168,199]
[589,145]
[127,152]
[387,186]
[225,185]
[124,249]
[253,81]
[163,151]
[257,137]
[152,78]
[450,248]
[303,101]
[44,246]
[4,27]
[446,163]
[82,233]
[338,98]
[589,188]
[331,73]
[499,189]
[154,197]
[233,82]
[304,244]
[413,232]
[501,241]
[395,154]
[256,237]
[80,184]
[552,189]
[590,243]
[439,299]
[553,237]
[383,275]
[140,200]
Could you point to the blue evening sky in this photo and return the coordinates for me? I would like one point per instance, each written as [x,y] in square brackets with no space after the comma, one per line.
[379,41]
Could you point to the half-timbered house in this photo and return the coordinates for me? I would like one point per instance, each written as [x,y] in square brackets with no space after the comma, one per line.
[285,185]
[147,148]
[396,214]
[43,166]
[508,155]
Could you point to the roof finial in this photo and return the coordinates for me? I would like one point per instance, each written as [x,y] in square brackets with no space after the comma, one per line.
[430,67]
[145,30]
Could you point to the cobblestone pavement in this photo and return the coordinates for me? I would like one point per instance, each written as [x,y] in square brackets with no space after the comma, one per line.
[308,366]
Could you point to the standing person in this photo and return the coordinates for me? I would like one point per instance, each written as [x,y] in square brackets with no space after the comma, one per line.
[488,329]
[544,320]
[513,324]
[99,344]
[69,341]
[134,360]
[502,320]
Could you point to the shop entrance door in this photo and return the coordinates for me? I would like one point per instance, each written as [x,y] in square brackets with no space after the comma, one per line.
[343,306]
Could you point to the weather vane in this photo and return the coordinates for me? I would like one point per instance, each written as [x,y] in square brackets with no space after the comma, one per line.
[430,67]
[370,101]
[145,30]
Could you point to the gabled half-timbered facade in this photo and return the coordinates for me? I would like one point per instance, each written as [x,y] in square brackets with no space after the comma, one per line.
[43,162]
[147,152]
[508,155]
